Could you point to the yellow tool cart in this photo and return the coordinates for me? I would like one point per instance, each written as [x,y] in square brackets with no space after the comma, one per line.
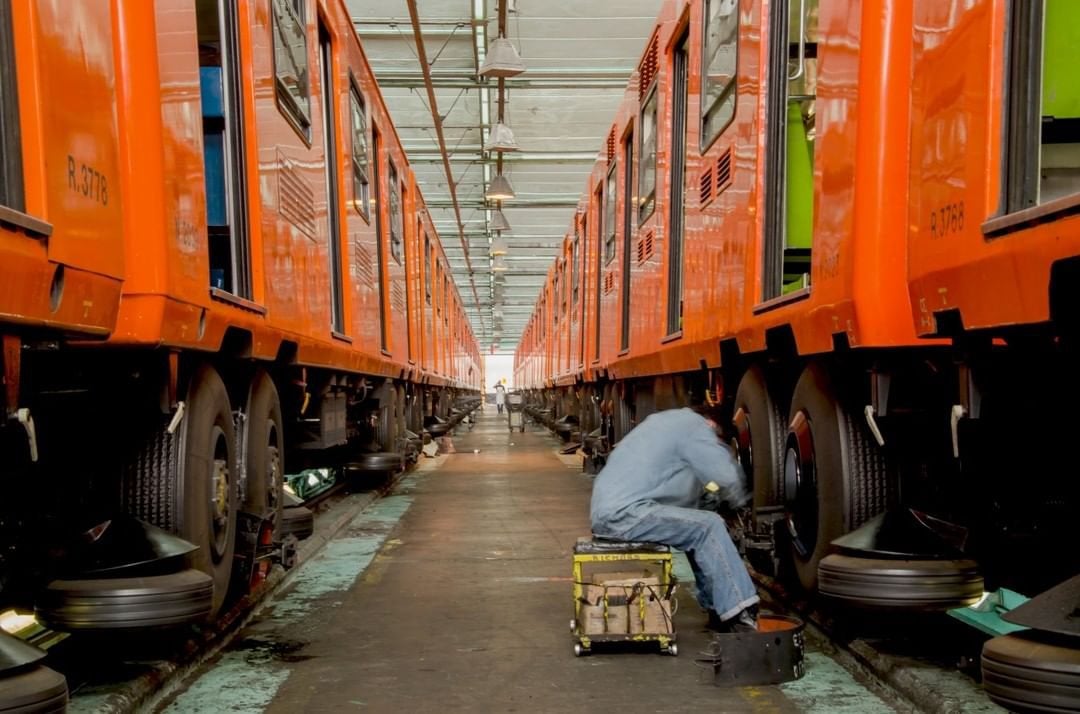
[633,604]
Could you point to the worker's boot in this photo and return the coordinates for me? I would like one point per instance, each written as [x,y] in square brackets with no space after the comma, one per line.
[745,621]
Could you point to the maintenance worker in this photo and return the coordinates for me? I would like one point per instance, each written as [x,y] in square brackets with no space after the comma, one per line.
[500,396]
[651,489]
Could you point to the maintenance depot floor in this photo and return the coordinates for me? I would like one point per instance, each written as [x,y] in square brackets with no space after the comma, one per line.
[454,594]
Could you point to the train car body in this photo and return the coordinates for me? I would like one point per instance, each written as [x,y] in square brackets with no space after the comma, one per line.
[818,215]
[212,245]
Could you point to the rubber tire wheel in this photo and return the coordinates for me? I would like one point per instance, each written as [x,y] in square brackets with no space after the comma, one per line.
[263,420]
[127,603]
[1024,673]
[169,483]
[385,432]
[768,429]
[850,470]
[297,521]
[35,689]
[909,585]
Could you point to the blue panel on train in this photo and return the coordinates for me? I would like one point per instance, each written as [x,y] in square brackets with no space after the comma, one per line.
[214,163]
[210,86]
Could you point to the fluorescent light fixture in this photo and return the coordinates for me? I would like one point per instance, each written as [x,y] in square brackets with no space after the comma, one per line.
[502,60]
[499,222]
[499,189]
[501,138]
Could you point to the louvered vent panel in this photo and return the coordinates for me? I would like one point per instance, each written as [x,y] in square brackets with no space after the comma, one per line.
[611,146]
[648,65]
[723,171]
[609,283]
[706,186]
[645,248]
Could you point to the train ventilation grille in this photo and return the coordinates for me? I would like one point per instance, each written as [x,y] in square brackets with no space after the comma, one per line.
[645,248]
[609,283]
[397,298]
[611,146]
[365,268]
[723,171]
[649,65]
[706,186]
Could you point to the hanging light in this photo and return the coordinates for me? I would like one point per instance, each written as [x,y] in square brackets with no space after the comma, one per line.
[499,189]
[498,246]
[499,222]
[502,60]
[497,314]
[501,138]
[499,264]
[500,280]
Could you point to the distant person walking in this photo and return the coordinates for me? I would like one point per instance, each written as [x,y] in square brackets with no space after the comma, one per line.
[500,396]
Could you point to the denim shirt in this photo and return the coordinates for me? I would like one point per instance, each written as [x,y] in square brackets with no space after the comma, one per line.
[667,459]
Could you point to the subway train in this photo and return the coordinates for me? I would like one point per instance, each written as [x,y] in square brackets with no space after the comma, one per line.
[216,268]
[854,224]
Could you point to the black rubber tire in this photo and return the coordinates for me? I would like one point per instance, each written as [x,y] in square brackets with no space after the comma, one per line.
[296,521]
[1024,673]
[767,429]
[378,461]
[850,471]
[264,445]
[127,603]
[170,483]
[910,585]
[36,690]
[387,427]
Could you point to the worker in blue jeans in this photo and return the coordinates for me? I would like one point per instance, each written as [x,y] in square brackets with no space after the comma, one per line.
[650,490]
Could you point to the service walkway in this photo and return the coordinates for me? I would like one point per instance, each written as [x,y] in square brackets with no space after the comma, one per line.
[454,595]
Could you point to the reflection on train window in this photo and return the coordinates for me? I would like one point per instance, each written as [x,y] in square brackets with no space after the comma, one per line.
[359,150]
[790,161]
[11,180]
[1044,106]
[647,167]
[291,63]
[396,219]
[718,84]
[609,215]
[223,155]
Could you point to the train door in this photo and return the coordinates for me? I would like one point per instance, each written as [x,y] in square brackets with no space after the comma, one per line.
[11,181]
[627,218]
[575,299]
[223,147]
[429,310]
[1044,105]
[789,162]
[676,211]
[380,251]
[333,189]
[598,201]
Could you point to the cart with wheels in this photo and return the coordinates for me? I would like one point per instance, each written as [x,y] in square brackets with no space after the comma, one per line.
[623,606]
[515,411]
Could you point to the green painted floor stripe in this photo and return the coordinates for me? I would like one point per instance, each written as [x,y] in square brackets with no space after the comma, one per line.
[245,681]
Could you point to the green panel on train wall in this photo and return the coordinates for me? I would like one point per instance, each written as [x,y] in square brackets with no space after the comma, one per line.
[1061,81]
[800,181]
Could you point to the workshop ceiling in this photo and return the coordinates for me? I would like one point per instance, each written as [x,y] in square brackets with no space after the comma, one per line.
[578,56]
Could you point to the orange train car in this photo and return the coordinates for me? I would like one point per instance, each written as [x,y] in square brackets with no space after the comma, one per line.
[216,266]
[853,223]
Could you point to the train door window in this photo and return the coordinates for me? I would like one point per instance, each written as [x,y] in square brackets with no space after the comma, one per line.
[598,201]
[11,176]
[333,239]
[647,160]
[446,297]
[1044,103]
[396,218]
[575,270]
[718,83]
[358,117]
[291,64]
[680,77]
[409,285]
[380,251]
[558,298]
[789,168]
[610,227]
[427,269]
[223,150]
[628,236]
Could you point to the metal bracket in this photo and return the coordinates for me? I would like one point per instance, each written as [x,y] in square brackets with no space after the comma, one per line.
[12,360]
[27,421]
[871,422]
[880,383]
[178,416]
[959,411]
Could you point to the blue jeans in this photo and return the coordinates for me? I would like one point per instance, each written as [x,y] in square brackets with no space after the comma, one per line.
[723,583]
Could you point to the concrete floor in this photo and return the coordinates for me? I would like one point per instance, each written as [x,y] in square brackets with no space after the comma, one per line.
[454,594]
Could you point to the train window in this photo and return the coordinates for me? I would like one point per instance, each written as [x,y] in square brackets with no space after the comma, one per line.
[396,218]
[628,235]
[791,129]
[223,150]
[575,271]
[291,63]
[598,201]
[380,251]
[609,215]
[1044,104]
[11,178]
[359,150]
[676,213]
[333,240]
[647,160]
[718,84]
[558,297]
[427,269]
